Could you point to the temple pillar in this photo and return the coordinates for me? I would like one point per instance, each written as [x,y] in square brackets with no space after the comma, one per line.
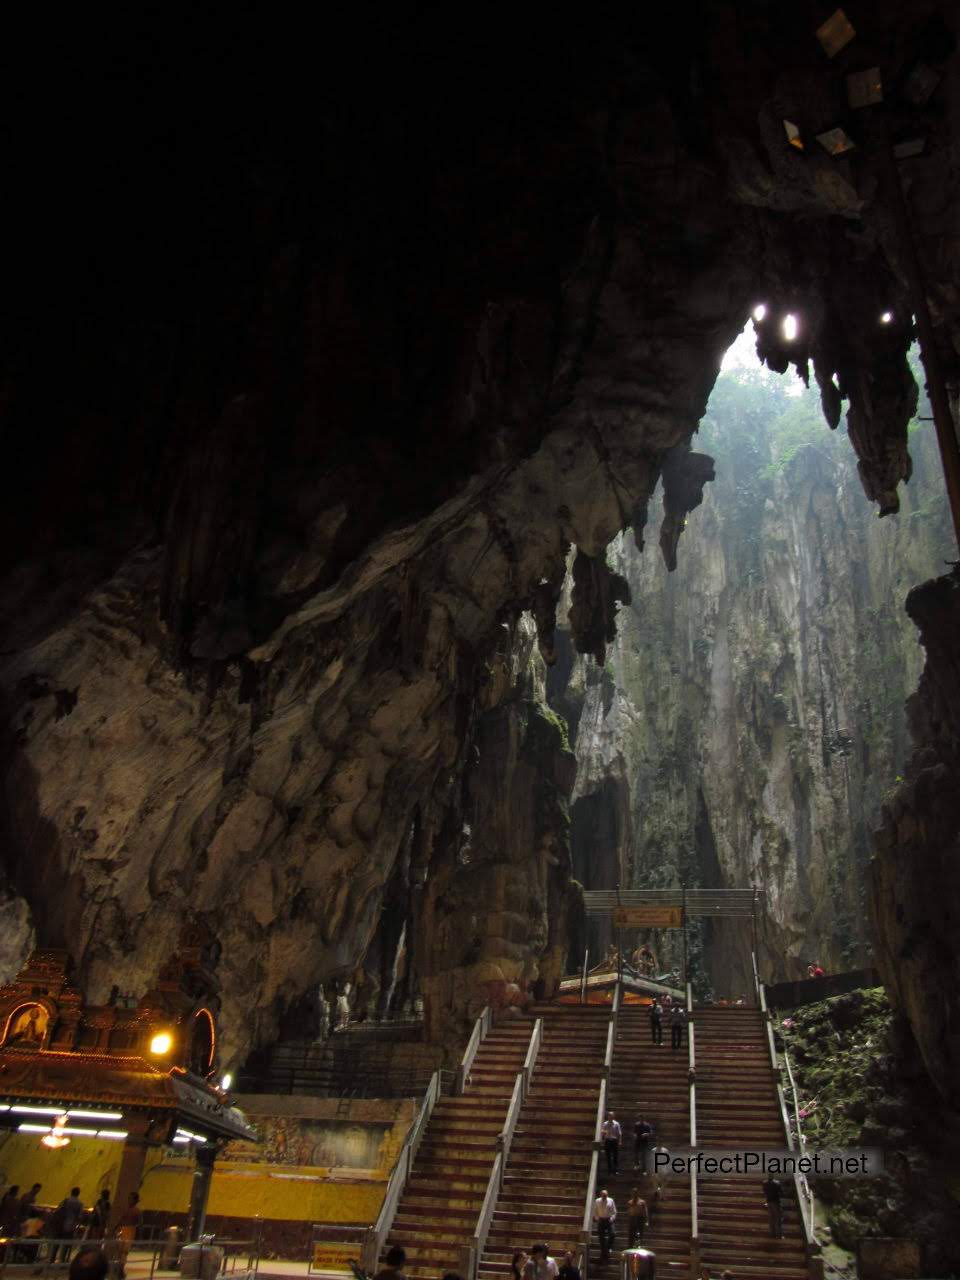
[132,1160]
[206,1154]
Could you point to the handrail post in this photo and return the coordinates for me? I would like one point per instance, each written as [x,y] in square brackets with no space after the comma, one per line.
[477,1036]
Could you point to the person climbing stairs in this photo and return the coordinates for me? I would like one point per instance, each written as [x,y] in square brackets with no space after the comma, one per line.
[649,1080]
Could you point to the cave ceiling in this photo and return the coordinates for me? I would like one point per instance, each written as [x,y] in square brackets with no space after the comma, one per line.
[319,358]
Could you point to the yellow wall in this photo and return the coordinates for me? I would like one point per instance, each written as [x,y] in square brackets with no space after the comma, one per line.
[297,1192]
[240,1188]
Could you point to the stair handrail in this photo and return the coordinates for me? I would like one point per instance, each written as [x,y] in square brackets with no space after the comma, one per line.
[504,1143]
[485,1217]
[374,1237]
[533,1051]
[587,1224]
[804,1191]
[804,1194]
[694,1200]
[477,1036]
[583,976]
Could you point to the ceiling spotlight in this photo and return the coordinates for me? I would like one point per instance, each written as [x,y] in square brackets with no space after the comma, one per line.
[161,1043]
[759,311]
[887,317]
[790,327]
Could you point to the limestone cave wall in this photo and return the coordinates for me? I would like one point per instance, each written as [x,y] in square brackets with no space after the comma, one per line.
[751,712]
[319,355]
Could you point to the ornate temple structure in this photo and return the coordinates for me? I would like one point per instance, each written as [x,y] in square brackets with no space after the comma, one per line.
[142,1074]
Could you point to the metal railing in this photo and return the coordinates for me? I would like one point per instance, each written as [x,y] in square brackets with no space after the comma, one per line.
[583,976]
[586,1225]
[692,1079]
[477,1036]
[473,1250]
[804,1194]
[139,1259]
[374,1237]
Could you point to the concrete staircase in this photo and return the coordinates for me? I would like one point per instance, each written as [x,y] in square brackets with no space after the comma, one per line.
[648,1080]
[438,1210]
[548,1170]
[737,1106]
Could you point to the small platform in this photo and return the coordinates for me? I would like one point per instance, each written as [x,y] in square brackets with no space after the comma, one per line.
[600,986]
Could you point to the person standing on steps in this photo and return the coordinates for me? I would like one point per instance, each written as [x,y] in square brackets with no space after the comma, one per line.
[604,1215]
[656,1023]
[544,1267]
[677,1019]
[642,1133]
[611,1134]
[773,1195]
[637,1219]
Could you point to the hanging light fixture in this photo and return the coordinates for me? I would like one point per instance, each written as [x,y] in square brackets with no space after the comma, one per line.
[56,1138]
[791,326]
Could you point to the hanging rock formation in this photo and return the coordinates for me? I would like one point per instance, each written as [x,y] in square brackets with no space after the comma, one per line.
[750,718]
[338,355]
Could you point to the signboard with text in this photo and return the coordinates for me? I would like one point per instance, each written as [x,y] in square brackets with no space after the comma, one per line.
[328,1255]
[649,917]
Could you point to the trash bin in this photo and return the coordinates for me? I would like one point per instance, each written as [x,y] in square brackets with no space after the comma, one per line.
[637,1264]
[170,1253]
[191,1264]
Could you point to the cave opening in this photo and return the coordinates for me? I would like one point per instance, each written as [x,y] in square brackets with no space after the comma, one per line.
[749,716]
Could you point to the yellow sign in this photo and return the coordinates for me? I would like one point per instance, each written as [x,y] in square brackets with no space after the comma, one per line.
[328,1255]
[648,917]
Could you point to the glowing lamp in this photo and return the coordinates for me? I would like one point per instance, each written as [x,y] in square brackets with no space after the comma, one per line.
[161,1043]
[226,1082]
[56,1138]
[887,317]
[791,327]
[759,311]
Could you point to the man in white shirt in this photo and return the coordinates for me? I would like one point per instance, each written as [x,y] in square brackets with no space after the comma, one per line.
[604,1215]
[611,1134]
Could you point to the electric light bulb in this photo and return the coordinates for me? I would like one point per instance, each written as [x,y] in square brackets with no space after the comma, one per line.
[790,327]
[887,317]
[759,311]
[226,1082]
[161,1043]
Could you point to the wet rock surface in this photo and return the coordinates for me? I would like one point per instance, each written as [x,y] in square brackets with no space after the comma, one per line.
[313,397]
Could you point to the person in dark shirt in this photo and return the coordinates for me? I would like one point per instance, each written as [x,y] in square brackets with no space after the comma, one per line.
[100,1216]
[28,1202]
[773,1195]
[642,1133]
[396,1257]
[63,1223]
[569,1269]
[656,1023]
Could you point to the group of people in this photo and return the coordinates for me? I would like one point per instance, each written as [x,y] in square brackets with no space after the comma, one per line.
[21,1217]
[538,1264]
[666,1010]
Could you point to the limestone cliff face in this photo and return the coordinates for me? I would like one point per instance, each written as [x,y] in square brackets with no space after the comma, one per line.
[333,363]
[751,714]
[914,881]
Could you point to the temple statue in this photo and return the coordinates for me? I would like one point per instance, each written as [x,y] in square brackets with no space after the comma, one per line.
[29,1026]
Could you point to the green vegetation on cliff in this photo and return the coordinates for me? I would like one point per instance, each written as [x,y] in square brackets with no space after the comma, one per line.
[859,1087]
